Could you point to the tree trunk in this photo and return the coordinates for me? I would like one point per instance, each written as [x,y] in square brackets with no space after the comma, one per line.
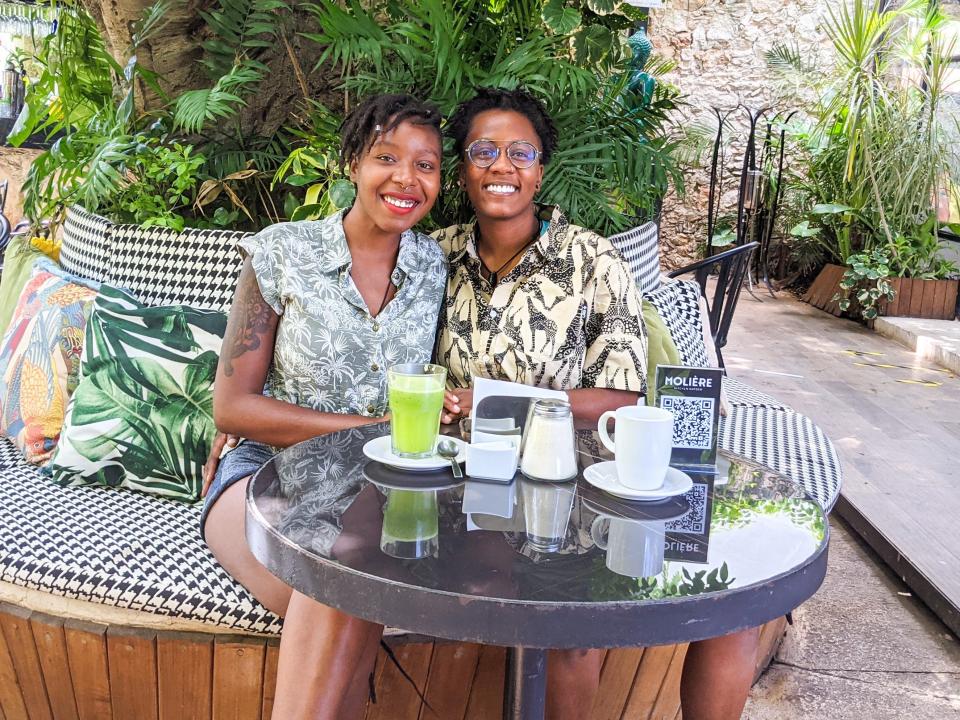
[173,53]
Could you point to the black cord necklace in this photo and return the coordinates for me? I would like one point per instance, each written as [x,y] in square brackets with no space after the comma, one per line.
[494,276]
[383,303]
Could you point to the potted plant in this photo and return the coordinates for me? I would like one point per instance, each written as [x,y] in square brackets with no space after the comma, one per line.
[875,158]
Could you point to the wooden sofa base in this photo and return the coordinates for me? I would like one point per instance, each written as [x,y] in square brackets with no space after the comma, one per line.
[55,669]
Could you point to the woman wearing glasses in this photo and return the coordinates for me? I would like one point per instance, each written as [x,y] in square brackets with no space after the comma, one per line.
[535,300]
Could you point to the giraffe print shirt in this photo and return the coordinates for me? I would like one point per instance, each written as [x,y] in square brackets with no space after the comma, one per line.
[567,316]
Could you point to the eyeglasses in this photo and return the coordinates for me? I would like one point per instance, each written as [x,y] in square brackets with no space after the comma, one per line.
[484,153]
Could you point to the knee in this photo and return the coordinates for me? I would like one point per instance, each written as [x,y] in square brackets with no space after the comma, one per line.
[583,664]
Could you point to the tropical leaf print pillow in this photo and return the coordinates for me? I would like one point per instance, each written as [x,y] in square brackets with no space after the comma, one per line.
[142,416]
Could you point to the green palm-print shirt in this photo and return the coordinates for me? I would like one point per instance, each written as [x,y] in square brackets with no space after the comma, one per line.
[330,353]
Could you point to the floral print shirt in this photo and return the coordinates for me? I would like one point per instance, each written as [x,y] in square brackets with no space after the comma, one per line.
[330,353]
[567,316]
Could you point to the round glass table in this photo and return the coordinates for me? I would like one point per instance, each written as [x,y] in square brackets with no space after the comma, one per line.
[533,565]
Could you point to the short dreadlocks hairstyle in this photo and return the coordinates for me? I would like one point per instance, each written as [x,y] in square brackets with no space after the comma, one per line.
[519,100]
[380,114]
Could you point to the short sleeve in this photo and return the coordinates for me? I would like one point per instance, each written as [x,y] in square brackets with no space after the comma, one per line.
[616,337]
[267,254]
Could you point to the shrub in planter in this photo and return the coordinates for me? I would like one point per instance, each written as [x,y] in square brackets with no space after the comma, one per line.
[876,152]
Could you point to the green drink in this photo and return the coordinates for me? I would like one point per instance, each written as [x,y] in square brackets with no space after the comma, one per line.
[410,524]
[415,393]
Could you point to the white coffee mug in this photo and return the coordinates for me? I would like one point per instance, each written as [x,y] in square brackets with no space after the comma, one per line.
[642,444]
[634,549]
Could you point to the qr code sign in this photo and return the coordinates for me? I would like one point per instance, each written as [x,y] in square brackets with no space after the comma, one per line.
[695,519]
[692,421]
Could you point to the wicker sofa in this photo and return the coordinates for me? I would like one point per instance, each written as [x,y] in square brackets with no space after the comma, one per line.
[112,607]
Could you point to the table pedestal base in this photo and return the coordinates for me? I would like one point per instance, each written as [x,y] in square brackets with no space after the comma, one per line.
[525,689]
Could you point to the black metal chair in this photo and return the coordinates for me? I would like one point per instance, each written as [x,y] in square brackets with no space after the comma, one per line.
[731,268]
[4,222]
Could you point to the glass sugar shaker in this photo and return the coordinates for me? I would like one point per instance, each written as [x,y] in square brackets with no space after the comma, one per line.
[549,444]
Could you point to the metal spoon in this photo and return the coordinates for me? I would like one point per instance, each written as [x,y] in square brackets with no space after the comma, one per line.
[448,449]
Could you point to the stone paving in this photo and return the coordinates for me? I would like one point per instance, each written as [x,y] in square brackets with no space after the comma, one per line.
[865,646]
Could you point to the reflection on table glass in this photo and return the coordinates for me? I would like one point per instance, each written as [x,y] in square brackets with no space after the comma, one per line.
[538,541]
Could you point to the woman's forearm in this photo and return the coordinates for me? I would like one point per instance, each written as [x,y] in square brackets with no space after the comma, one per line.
[279,423]
[588,404]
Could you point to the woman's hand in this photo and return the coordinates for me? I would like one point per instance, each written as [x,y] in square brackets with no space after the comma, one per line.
[456,404]
[213,459]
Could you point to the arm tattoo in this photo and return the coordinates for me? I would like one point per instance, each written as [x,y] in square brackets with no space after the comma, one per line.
[250,318]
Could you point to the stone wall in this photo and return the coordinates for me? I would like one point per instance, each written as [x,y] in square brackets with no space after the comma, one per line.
[14,163]
[719,48]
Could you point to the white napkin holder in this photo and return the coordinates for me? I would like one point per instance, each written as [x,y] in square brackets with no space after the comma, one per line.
[493,459]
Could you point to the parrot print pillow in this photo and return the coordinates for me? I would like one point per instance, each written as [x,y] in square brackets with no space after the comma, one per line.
[40,360]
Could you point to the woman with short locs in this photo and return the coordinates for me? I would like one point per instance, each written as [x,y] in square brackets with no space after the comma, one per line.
[320,311]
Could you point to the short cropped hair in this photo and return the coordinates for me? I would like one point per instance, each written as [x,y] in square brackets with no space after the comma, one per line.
[519,100]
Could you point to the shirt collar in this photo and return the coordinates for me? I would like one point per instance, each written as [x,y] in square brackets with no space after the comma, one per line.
[335,253]
[546,244]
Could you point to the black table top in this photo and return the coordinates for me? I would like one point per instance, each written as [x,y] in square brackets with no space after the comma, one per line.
[742,547]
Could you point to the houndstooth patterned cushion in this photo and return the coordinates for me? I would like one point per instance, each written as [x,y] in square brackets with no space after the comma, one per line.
[740,393]
[678,303]
[640,247]
[86,249]
[115,547]
[787,442]
[160,266]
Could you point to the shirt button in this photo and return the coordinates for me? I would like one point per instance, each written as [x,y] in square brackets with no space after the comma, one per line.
[374,367]
[376,327]
[493,314]
[486,358]
[371,409]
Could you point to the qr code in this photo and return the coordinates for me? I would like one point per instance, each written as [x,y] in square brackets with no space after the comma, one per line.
[692,421]
[695,519]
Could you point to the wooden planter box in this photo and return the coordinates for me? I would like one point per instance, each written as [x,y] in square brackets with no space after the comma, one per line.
[53,668]
[932,299]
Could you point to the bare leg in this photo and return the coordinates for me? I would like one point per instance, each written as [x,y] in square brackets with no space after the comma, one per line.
[717,674]
[573,677]
[225,533]
[322,651]
[355,704]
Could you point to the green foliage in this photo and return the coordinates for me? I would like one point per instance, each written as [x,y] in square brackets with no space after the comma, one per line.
[125,163]
[868,280]
[75,73]
[242,30]
[877,149]
[607,585]
[93,108]
[163,181]
[615,157]
[194,162]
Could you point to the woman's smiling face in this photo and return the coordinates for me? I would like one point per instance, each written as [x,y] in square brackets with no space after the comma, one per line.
[501,191]
[398,178]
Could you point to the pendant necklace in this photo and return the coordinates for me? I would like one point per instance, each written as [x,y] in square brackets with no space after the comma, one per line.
[493,276]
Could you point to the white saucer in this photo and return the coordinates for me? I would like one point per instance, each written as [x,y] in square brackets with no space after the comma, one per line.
[379,449]
[604,477]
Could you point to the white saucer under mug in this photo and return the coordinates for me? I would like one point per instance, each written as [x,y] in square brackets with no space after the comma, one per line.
[379,449]
[603,476]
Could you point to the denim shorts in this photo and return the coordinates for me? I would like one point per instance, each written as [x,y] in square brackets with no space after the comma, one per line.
[243,461]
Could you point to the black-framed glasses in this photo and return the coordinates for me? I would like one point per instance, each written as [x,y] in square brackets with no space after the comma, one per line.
[483,153]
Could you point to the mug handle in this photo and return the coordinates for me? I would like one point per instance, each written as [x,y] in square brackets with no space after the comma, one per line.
[596,534]
[602,430]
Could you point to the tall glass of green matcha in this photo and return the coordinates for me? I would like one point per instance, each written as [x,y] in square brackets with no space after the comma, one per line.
[410,524]
[415,393]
